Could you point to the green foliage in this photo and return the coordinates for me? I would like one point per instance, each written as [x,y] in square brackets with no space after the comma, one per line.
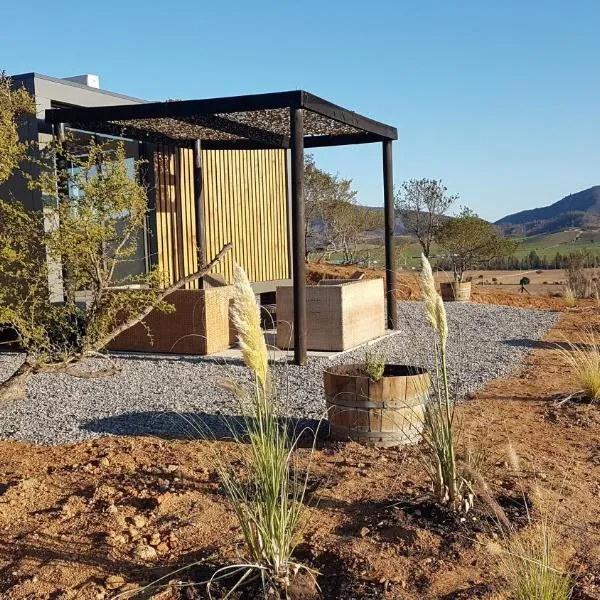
[333,219]
[345,225]
[91,225]
[90,233]
[470,242]
[14,104]
[374,364]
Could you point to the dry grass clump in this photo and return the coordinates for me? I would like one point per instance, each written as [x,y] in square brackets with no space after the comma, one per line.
[570,299]
[531,565]
[583,360]
[530,559]
[267,498]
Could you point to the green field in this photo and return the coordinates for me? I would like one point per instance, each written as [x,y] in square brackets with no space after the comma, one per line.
[408,251]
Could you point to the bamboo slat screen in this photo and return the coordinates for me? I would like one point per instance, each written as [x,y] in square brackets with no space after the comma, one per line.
[245,203]
[175,213]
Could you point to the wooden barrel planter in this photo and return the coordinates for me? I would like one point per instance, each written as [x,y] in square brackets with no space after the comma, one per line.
[453,291]
[383,413]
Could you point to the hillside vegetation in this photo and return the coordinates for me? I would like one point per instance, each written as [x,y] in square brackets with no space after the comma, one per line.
[580,210]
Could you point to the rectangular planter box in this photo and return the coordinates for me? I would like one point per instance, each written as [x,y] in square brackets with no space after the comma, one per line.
[200,325]
[339,316]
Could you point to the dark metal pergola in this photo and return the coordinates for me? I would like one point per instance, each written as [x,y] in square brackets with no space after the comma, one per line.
[292,120]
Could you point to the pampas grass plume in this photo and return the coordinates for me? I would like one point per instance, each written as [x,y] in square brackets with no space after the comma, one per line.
[246,319]
[434,305]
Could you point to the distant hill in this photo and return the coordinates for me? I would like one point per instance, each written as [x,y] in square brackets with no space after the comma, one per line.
[580,210]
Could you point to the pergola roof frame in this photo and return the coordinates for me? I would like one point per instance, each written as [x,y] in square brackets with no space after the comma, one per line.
[300,131]
[209,113]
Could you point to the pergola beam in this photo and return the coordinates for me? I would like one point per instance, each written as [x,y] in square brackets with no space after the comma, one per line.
[347,117]
[322,141]
[267,138]
[176,109]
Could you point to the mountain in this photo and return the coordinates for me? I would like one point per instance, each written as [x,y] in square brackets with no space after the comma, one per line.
[580,210]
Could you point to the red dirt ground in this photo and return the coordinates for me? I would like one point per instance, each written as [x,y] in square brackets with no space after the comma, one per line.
[407,284]
[95,519]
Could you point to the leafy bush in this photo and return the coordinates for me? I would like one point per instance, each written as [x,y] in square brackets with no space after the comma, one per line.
[581,281]
[469,242]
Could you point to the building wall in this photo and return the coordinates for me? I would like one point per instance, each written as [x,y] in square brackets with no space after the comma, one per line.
[47,91]
[245,196]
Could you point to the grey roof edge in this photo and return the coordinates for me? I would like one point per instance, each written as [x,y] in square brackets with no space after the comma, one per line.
[35,75]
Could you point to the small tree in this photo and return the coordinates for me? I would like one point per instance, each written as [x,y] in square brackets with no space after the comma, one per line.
[91,226]
[422,204]
[346,224]
[469,242]
[320,190]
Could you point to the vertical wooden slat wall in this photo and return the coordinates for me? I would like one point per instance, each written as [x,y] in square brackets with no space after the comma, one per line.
[175,213]
[245,203]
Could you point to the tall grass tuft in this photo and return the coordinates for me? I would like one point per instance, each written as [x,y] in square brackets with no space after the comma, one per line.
[583,360]
[453,484]
[530,560]
[268,498]
[570,299]
[531,567]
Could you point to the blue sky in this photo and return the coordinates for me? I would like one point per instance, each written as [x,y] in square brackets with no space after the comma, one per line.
[501,100]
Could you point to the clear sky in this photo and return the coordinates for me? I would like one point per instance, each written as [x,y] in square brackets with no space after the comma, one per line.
[501,100]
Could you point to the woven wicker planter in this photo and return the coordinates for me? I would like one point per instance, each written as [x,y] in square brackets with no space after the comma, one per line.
[453,291]
[200,325]
[383,413]
[340,315]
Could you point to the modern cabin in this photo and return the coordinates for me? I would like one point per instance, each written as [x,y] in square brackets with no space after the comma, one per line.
[244,198]
[222,170]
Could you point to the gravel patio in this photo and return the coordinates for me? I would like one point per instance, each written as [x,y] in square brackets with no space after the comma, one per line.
[159,395]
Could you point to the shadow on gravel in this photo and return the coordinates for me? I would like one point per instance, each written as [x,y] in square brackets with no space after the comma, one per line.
[188,425]
[542,345]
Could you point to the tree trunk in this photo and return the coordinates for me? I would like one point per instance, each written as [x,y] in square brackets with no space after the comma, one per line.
[15,387]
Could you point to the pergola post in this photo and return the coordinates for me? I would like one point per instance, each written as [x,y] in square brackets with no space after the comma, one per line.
[199,205]
[390,226]
[298,241]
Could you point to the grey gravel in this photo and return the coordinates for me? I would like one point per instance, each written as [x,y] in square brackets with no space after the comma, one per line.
[171,395]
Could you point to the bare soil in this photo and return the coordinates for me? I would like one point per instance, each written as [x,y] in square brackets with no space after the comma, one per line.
[407,284]
[96,519]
